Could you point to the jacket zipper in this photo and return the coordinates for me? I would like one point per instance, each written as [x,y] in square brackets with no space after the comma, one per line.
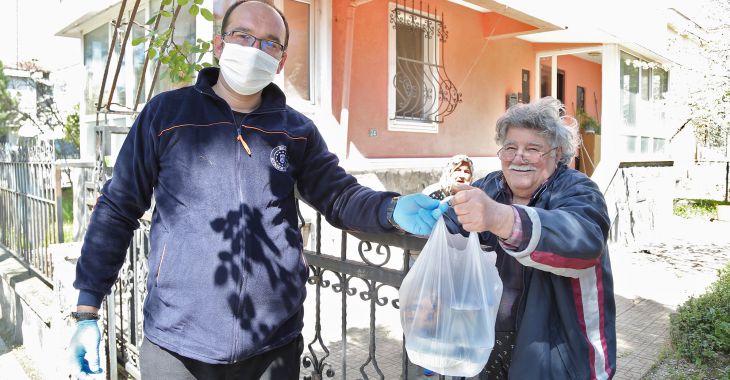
[240,138]
[242,244]
[243,142]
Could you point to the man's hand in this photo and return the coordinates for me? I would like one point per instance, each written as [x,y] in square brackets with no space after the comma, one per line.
[417,213]
[477,212]
[84,348]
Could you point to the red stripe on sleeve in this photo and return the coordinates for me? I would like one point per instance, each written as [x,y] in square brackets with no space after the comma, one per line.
[557,261]
[602,314]
[578,300]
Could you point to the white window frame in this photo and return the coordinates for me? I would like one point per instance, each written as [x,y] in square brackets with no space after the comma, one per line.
[642,130]
[99,21]
[405,125]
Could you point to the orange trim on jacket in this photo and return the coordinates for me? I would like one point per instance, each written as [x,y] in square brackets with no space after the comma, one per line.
[274,132]
[191,125]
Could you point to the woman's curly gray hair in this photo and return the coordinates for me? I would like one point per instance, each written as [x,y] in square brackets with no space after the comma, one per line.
[543,116]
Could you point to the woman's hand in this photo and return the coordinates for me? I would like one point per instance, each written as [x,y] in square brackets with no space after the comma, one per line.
[477,212]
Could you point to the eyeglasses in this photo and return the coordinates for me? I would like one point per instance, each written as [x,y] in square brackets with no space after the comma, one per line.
[269,47]
[529,154]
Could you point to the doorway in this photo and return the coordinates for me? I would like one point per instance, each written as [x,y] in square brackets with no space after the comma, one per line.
[546,83]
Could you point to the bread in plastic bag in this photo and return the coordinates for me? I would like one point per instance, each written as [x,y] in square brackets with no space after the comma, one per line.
[448,304]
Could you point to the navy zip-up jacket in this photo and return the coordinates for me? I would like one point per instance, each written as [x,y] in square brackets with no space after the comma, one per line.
[558,286]
[226,267]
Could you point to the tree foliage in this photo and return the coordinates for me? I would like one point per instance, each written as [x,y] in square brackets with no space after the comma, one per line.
[46,117]
[709,101]
[71,128]
[9,115]
[182,59]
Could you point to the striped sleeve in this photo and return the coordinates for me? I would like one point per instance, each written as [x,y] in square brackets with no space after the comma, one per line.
[567,239]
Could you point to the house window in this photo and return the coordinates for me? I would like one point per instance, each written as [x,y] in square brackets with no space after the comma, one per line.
[420,93]
[659,145]
[138,55]
[630,144]
[629,89]
[644,85]
[659,83]
[410,87]
[96,48]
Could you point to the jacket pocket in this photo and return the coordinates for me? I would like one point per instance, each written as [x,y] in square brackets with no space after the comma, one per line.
[163,265]
[159,266]
[562,365]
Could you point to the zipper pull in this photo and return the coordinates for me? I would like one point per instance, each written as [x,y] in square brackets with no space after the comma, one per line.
[244,145]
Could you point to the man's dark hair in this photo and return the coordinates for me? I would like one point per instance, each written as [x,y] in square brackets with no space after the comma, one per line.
[267,2]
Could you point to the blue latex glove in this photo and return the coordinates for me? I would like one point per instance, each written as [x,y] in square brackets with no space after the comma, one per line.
[84,348]
[417,213]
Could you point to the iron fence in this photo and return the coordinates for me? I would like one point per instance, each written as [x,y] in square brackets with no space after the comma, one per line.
[31,216]
[380,261]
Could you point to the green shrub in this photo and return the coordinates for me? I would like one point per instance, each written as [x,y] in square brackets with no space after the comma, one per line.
[693,208]
[700,329]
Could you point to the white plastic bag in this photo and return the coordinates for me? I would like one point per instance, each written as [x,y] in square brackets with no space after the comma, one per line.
[448,304]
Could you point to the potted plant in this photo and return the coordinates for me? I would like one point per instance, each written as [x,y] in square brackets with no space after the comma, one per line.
[587,123]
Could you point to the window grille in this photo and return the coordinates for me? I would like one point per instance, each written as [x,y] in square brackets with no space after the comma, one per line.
[423,90]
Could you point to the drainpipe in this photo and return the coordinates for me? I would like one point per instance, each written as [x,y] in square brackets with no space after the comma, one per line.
[347,72]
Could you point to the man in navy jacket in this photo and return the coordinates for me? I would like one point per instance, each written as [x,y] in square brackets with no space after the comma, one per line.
[222,158]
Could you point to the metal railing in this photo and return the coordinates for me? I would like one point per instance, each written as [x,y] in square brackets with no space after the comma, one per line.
[31,216]
[376,266]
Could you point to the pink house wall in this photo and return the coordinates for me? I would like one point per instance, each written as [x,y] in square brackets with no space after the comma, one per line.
[483,70]
[587,74]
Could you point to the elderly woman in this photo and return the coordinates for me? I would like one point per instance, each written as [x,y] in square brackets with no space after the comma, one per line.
[548,224]
[458,171]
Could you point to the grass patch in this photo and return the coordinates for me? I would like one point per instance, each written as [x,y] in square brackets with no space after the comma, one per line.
[697,208]
[67,197]
[671,366]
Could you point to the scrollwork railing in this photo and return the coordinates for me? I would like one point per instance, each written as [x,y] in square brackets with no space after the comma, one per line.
[367,278]
[375,273]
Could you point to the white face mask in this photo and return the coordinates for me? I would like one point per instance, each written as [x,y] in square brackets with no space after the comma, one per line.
[246,69]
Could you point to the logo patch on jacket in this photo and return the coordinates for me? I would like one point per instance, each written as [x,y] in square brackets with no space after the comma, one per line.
[279,158]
